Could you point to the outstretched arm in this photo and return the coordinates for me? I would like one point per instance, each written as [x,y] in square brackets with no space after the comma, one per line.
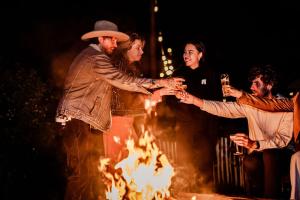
[172,83]
[218,108]
[107,71]
[159,93]
[281,105]
[273,105]
[187,98]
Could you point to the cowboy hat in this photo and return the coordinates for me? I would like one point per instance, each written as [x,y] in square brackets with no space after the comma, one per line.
[105,28]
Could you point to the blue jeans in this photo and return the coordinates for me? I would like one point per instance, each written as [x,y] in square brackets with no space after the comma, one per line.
[83,147]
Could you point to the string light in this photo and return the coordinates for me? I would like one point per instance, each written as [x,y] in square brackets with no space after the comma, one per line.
[167,68]
[166,60]
[155,6]
[160,37]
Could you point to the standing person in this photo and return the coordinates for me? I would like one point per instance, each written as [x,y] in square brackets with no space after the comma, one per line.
[269,132]
[85,108]
[279,105]
[195,128]
[128,107]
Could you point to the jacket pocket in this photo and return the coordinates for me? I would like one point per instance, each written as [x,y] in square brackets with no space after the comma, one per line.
[95,109]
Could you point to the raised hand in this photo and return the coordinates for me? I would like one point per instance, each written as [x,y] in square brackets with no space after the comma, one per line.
[173,83]
[184,97]
[166,91]
[231,91]
[157,94]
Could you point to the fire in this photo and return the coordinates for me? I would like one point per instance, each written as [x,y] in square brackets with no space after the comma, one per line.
[117,139]
[149,104]
[144,174]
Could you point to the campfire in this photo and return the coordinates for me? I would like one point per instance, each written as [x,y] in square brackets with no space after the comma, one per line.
[143,171]
[144,174]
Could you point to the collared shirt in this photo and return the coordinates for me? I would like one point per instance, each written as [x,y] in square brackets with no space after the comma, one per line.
[271,129]
[276,105]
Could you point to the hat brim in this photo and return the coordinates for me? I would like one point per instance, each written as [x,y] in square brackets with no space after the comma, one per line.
[122,37]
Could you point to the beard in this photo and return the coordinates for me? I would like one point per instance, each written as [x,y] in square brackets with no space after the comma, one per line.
[265,92]
[262,92]
[107,51]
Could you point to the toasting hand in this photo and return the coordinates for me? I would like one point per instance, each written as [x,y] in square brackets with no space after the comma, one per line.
[157,94]
[231,91]
[173,83]
[184,97]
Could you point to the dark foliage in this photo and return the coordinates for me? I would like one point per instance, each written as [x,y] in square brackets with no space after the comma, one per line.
[30,153]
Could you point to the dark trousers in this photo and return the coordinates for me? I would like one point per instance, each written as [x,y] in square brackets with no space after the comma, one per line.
[83,147]
[264,170]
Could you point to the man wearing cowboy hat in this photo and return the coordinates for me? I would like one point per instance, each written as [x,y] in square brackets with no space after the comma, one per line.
[85,107]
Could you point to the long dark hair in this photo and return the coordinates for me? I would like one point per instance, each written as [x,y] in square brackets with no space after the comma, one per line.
[120,59]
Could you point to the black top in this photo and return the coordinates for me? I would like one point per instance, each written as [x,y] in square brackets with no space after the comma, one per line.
[201,82]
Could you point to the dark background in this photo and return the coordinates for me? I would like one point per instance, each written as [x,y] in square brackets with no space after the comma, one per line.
[39,40]
[237,34]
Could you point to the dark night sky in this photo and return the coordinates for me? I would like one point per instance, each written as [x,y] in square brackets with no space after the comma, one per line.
[237,35]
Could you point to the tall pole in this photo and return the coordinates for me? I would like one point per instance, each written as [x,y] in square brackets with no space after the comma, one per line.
[153,36]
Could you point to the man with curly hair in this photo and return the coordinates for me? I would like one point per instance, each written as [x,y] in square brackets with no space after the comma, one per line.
[269,133]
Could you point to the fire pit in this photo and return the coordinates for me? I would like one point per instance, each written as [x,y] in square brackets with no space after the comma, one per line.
[212,196]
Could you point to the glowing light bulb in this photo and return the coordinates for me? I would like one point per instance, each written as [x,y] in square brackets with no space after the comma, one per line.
[160,38]
[169,72]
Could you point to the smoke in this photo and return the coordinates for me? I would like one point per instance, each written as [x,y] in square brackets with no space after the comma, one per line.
[60,63]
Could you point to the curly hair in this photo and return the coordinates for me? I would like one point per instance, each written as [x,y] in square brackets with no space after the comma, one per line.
[266,73]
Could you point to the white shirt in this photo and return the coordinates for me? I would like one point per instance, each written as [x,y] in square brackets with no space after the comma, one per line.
[271,129]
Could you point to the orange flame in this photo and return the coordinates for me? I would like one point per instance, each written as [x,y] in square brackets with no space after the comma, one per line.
[144,174]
